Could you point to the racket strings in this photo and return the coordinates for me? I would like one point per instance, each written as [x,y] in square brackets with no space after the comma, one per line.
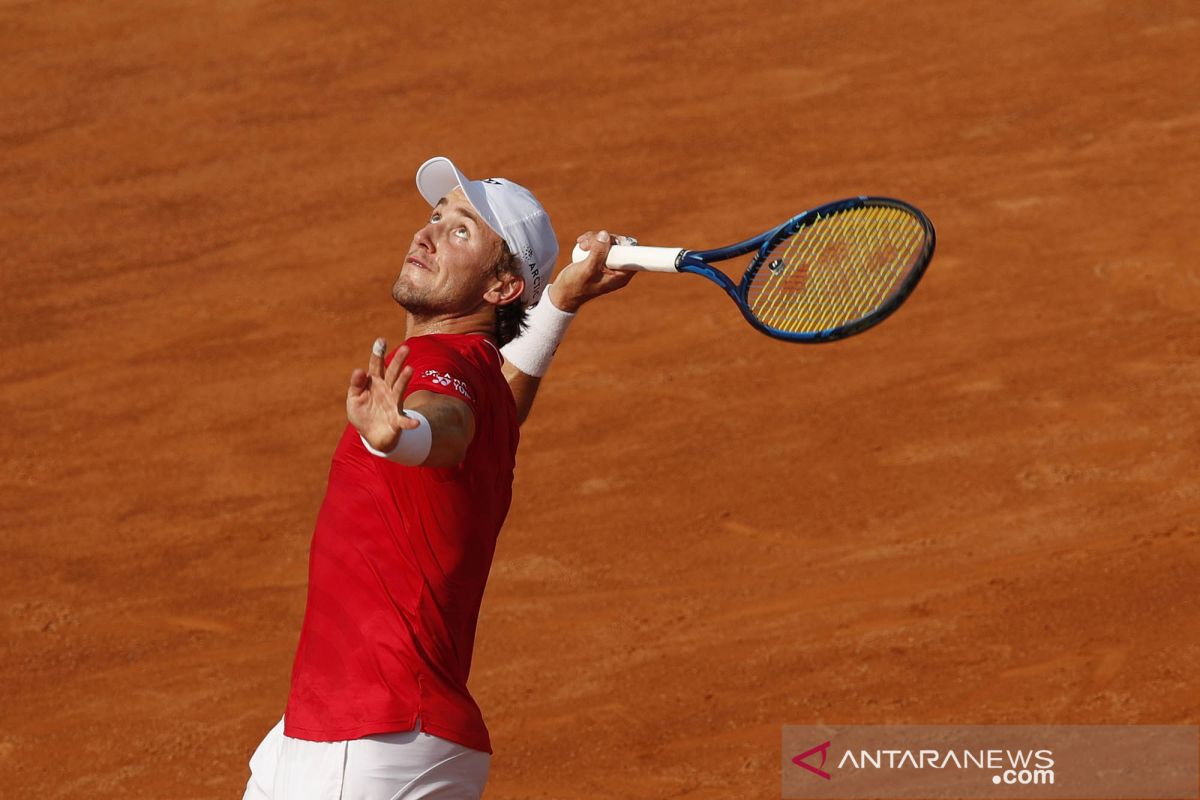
[839,269]
[787,311]
[811,251]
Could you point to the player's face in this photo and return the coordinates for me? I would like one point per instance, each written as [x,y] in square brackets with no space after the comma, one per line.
[449,265]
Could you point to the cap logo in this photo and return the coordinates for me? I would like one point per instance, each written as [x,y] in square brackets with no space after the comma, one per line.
[531,262]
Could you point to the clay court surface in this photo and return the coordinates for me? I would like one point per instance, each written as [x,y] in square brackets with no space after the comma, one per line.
[983,511]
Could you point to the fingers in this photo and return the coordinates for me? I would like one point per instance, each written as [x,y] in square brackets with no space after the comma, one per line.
[402,380]
[394,368]
[584,239]
[625,276]
[396,374]
[397,378]
[359,381]
[597,246]
[375,365]
[592,242]
[598,252]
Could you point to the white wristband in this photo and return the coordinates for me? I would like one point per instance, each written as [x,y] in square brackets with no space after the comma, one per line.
[413,446]
[532,351]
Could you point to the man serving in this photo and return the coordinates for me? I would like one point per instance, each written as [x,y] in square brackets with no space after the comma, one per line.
[419,487]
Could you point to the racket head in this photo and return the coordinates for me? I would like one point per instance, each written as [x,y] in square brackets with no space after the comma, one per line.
[829,273]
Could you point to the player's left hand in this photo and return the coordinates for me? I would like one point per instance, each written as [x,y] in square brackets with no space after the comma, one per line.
[375,399]
[586,280]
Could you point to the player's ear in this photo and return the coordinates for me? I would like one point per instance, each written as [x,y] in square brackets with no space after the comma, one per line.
[505,289]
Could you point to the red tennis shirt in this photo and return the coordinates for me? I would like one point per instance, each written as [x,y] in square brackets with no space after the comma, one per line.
[398,563]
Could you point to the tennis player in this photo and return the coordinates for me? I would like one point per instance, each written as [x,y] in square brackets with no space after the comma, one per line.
[419,487]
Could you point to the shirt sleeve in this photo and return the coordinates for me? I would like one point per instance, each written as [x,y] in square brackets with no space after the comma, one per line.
[441,371]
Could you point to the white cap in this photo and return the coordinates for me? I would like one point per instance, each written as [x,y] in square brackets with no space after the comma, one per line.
[509,209]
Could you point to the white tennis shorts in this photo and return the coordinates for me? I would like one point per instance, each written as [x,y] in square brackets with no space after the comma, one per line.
[389,766]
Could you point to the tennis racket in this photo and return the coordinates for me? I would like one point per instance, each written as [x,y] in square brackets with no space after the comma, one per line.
[823,275]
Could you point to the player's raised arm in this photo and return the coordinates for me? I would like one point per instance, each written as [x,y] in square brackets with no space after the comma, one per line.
[425,429]
[528,356]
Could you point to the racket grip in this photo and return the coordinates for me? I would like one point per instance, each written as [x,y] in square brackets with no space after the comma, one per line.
[635,258]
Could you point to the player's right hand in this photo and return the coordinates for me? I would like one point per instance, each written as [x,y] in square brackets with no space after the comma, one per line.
[586,280]
[375,399]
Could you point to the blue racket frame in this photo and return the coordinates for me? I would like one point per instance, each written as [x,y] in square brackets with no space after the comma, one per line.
[699,262]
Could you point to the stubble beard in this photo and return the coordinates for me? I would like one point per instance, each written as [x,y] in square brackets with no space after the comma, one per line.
[418,302]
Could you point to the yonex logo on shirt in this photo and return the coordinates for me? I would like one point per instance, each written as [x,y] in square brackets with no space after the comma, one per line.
[446,379]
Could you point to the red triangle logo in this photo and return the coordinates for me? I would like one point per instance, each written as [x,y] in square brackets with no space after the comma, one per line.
[823,749]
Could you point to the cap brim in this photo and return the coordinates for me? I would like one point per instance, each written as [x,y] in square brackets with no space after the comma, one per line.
[438,177]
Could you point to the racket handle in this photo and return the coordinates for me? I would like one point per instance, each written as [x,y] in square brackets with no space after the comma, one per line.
[634,258]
